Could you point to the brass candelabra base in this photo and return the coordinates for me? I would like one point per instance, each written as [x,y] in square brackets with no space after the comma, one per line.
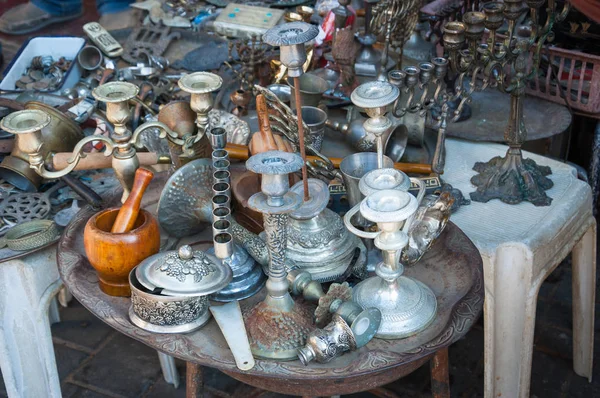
[512,179]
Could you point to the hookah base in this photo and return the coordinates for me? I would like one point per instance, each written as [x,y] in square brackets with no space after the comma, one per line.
[407,305]
[275,333]
[512,179]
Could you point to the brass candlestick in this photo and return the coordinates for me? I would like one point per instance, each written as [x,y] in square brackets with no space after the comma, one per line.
[27,125]
[504,64]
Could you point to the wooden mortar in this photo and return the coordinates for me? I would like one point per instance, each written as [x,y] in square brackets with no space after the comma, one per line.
[114,255]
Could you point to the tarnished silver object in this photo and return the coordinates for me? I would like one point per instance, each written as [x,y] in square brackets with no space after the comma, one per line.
[248,277]
[170,290]
[407,305]
[323,345]
[318,241]
[185,273]
[354,133]
[291,38]
[288,322]
[165,314]
[184,207]
[375,97]
[429,222]
[337,301]
[187,206]
[231,322]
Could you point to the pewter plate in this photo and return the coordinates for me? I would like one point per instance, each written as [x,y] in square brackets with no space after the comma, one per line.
[185,205]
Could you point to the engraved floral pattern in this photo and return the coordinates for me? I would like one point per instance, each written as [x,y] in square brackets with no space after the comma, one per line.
[169,313]
[312,239]
[198,266]
[275,228]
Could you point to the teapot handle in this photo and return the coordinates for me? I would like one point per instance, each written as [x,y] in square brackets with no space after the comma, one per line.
[353,229]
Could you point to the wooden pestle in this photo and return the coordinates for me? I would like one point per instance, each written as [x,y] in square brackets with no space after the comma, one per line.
[128,213]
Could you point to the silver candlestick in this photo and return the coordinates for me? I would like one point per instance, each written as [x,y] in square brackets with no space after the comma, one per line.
[291,39]
[375,97]
[277,326]
[407,305]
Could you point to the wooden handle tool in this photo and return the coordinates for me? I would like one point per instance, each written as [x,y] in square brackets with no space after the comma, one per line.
[128,213]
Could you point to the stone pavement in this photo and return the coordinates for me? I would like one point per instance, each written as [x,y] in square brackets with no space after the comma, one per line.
[96,361]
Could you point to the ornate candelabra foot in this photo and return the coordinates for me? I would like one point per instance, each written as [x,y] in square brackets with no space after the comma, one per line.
[407,306]
[276,332]
[512,179]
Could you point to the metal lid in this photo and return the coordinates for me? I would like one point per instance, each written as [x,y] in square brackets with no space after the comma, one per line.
[319,198]
[185,272]
[380,179]
[290,34]
[374,94]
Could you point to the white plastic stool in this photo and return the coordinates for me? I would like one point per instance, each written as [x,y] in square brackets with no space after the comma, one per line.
[28,286]
[520,246]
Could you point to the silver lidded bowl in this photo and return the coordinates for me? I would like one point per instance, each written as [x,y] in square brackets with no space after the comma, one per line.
[169,291]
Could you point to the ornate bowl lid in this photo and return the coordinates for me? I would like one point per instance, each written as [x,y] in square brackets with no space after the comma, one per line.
[185,273]
[290,34]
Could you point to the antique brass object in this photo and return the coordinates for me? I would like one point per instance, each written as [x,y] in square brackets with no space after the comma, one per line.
[507,65]
[29,125]
[201,85]
[59,135]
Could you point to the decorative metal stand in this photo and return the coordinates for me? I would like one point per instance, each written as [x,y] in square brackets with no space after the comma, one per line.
[369,59]
[407,305]
[503,64]
[277,326]
[248,277]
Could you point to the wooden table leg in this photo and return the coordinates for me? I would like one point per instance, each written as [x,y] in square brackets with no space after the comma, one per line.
[194,381]
[440,374]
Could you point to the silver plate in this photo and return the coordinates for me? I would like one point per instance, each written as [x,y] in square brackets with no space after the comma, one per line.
[184,207]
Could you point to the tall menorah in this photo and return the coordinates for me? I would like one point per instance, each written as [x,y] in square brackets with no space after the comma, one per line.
[507,63]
